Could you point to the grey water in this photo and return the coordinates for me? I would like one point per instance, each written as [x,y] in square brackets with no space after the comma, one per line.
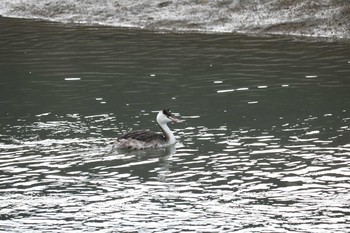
[264,146]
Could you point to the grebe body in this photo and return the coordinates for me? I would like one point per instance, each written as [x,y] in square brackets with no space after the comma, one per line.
[142,139]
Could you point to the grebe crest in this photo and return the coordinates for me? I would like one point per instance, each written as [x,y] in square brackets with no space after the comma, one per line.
[141,139]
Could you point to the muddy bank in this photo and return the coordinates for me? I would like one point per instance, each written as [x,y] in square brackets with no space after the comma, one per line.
[322,18]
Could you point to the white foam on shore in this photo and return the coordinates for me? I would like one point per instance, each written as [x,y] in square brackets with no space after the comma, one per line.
[187,15]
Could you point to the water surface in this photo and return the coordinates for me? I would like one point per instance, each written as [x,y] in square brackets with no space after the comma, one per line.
[264,148]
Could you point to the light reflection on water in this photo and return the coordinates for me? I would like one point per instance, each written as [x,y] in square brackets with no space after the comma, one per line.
[248,179]
[263,148]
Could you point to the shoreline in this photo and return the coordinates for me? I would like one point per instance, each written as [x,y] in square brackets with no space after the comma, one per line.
[257,33]
[302,18]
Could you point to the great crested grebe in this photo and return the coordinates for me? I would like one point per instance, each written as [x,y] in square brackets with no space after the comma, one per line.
[142,139]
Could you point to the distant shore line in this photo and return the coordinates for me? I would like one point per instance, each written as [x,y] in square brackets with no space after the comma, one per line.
[283,29]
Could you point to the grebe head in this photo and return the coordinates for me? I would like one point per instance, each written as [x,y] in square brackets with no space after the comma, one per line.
[165,116]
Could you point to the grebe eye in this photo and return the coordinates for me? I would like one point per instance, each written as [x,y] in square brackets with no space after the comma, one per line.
[167,112]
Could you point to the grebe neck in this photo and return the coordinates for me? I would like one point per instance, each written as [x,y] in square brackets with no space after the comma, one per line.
[168,134]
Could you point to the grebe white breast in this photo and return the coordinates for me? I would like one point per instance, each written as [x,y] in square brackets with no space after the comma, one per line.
[141,139]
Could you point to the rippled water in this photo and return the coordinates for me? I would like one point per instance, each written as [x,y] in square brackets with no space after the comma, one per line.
[264,148]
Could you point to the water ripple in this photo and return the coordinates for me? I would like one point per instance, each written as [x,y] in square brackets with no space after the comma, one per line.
[263,148]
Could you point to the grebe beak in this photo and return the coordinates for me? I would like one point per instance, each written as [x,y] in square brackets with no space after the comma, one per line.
[175,120]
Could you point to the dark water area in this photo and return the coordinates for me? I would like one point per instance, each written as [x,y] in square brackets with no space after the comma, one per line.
[264,148]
